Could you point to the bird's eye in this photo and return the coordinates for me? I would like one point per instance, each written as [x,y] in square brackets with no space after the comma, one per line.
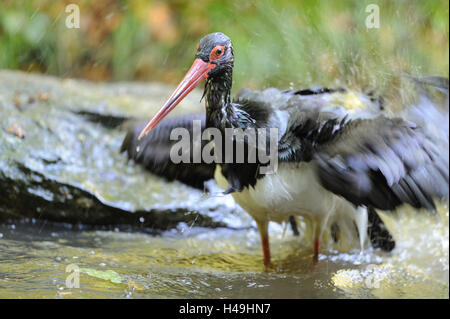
[217,52]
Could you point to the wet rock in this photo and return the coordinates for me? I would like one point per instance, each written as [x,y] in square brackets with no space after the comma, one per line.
[66,166]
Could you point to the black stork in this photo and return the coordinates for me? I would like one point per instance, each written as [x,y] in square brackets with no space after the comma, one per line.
[335,165]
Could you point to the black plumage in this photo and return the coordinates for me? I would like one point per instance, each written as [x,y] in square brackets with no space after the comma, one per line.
[153,151]
[383,163]
[358,152]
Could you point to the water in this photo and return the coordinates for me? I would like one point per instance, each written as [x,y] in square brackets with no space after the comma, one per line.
[220,263]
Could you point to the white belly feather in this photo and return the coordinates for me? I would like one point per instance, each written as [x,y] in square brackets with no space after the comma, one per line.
[295,190]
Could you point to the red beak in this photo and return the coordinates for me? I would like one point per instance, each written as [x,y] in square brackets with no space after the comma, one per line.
[198,72]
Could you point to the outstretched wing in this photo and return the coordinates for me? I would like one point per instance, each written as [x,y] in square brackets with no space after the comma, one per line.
[384,162]
[153,151]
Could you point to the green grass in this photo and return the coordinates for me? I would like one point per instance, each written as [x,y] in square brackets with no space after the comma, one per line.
[277,43]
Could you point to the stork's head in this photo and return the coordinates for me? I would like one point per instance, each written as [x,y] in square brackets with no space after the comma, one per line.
[216,50]
[214,59]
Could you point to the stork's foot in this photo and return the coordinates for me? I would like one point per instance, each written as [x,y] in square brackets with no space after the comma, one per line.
[269,267]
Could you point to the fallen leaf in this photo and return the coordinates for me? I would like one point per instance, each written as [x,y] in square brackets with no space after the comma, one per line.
[43,96]
[16,101]
[16,130]
[110,275]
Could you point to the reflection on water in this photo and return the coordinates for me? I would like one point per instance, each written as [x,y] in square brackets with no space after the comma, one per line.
[222,263]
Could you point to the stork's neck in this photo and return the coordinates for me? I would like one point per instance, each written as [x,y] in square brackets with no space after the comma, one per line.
[219,109]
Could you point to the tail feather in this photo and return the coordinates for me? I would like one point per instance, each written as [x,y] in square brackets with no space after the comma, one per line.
[379,235]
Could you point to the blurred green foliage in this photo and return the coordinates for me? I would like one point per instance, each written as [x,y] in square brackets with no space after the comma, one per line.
[277,43]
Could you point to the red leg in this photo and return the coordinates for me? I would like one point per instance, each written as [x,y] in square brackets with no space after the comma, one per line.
[316,249]
[266,249]
[317,233]
[263,231]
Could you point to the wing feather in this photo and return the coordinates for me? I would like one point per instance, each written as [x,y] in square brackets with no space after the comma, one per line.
[384,162]
[153,151]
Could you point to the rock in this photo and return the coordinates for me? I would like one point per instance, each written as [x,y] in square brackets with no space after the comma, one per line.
[60,160]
